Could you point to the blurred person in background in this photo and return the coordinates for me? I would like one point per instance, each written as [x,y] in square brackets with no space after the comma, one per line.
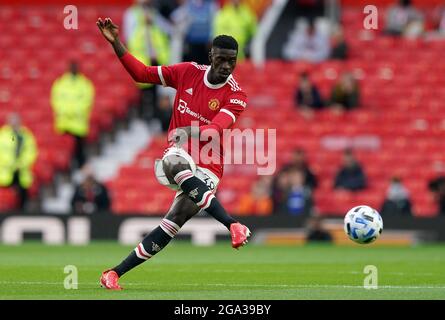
[350,175]
[90,196]
[72,98]
[439,19]
[18,153]
[135,16]
[437,187]
[166,97]
[236,19]
[310,9]
[280,190]
[166,7]
[316,231]
[339,47]
[299,162]
[307,97]
[403,19]
[438,24]
[307,43]
[258,201]
[299,198]
[345,94]
[150,45]
[197,16]
[397,201]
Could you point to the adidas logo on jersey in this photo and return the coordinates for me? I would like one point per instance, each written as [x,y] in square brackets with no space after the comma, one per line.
[189,91]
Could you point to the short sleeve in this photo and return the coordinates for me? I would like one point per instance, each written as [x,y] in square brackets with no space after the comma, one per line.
[235,105]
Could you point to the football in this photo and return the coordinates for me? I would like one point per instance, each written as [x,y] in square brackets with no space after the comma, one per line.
[363,224]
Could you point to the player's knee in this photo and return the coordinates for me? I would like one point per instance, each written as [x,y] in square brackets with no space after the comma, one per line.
[173,164]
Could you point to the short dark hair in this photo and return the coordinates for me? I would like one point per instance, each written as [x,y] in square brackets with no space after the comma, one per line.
[225,42]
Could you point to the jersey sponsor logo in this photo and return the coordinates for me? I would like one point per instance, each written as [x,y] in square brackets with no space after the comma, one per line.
[238,101]
[189,91]
[182,108]
[214,104]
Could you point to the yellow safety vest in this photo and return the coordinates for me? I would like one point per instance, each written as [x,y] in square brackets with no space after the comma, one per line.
[138,43]
[25,160]
[71,99]
[239,23]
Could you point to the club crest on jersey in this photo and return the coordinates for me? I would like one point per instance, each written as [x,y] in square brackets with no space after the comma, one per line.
[214,104]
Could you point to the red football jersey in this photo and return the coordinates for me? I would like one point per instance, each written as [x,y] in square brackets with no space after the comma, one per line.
[198,100]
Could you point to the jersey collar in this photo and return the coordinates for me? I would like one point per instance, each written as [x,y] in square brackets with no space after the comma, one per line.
[214,86]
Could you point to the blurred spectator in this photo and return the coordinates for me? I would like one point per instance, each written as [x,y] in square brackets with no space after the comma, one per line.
[299,162]
[307,43]
[258,201]
[345,94]
[397,200]
[17,156]
[437,186]
[236,19]
[280,191]
[166,7]
[197,16]
[439,19]
[438,24]
[90,196]
[134,18]
[72,98]
[150,45]
[307,97]
[310,9]
[350,176]
[404,19]
[299,200]
[316,231]
[339,47]
[166,97]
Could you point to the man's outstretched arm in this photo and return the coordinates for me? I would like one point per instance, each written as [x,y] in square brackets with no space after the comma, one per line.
[110,31]
[138,71]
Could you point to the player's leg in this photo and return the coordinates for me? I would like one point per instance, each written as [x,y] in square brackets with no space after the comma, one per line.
[177,169]
[179,213]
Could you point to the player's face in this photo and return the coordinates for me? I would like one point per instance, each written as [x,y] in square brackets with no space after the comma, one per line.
[223,62]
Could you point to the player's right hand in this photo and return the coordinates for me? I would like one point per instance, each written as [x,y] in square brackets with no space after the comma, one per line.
[109,30]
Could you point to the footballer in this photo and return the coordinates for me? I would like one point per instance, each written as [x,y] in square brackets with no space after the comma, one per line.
[209,96]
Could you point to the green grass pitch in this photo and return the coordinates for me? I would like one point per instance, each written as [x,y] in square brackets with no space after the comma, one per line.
[182,271]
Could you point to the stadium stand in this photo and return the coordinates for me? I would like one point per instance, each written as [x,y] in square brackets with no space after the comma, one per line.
[34,37]
[397,106]
[402,89]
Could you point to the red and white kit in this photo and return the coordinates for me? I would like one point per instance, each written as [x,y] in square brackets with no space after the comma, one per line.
[212,106]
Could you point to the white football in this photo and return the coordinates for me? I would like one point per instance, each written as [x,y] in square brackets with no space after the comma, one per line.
[363,224]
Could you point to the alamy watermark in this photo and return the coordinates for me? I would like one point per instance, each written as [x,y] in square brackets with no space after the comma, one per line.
[371,21]
[372,278]
[71,280]
[247,146]
[71,20]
